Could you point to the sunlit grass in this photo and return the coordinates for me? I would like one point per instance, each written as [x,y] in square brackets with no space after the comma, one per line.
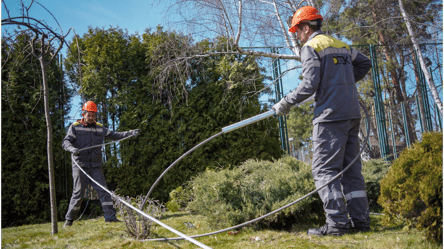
[95,233]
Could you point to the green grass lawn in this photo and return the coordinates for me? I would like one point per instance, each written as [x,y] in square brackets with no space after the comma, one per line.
[95,233]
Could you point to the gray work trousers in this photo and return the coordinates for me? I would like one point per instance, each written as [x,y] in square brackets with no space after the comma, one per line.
[80,181]
[335,145]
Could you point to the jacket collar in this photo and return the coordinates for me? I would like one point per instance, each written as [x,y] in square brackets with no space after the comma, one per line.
[319,32]
[82,121]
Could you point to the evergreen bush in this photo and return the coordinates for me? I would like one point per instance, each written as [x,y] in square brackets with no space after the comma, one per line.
[232,196]
[178,200]
[374,171]
[411,192]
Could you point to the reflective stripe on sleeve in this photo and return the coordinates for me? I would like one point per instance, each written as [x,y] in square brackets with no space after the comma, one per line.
[109,203]
[355,194]
[75,208]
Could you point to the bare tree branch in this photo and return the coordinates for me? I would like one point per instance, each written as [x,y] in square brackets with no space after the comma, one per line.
[236,41]
[427,75]
[371,26]
[245,52]
[287,39]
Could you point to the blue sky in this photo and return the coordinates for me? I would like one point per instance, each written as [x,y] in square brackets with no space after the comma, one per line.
[132,15]
[135,16]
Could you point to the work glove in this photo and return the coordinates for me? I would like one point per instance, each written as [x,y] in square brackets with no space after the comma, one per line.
[135,132]
[75,151]
[281,108]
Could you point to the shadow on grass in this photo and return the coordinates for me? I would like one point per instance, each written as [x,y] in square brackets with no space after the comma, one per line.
[165,241]
[174,215]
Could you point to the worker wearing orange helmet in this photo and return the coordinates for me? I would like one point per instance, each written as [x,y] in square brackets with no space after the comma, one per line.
[84,133]
[330,70]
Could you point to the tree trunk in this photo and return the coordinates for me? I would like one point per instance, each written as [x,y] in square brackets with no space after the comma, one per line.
[52,190]
[421,58]
[401,95]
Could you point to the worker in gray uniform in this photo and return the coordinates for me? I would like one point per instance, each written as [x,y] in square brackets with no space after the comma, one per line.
[82,134]
[330,70]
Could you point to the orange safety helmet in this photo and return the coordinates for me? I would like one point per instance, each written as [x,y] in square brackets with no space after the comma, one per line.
[89,106]
[306,13]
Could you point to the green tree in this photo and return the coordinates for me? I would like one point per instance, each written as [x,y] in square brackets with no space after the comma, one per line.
[175,117]
[25,188]
[109,61]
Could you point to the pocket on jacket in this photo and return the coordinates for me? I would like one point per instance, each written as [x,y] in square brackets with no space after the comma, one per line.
[97,137]
[96,155]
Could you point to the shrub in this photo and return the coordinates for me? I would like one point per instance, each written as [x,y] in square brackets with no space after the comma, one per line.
[411,193]
[137,225]
[374,171]
[179,199]
[229,197]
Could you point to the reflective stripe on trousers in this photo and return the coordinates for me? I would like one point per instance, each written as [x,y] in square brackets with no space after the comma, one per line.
[80,181]
[335,145]
[355,194]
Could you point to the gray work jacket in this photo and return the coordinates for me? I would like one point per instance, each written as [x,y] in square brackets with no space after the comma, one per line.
[330,69]
[81,136]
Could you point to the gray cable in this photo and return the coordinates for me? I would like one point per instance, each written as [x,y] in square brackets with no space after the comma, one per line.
[288,205]
[177,160]
[100,145]
[190,238]
[86,205]
[141,212]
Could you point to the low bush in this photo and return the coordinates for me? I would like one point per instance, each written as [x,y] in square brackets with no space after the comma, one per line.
[411,192]
[137,225]
[374,171]
[178,200]
[229,197]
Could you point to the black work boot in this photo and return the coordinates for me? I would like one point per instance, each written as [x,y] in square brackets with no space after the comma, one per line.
[326,230]
[113,220]
[68,223]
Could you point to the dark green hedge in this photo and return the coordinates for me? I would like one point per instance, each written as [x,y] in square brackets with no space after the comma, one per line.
[411,192]
[25,184]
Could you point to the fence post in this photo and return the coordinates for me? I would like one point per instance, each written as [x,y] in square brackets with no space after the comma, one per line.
[425,98]
[406,129]
[436,106]
[393,134]
[379,107]
[287,146]
[419,114]
[279,95]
